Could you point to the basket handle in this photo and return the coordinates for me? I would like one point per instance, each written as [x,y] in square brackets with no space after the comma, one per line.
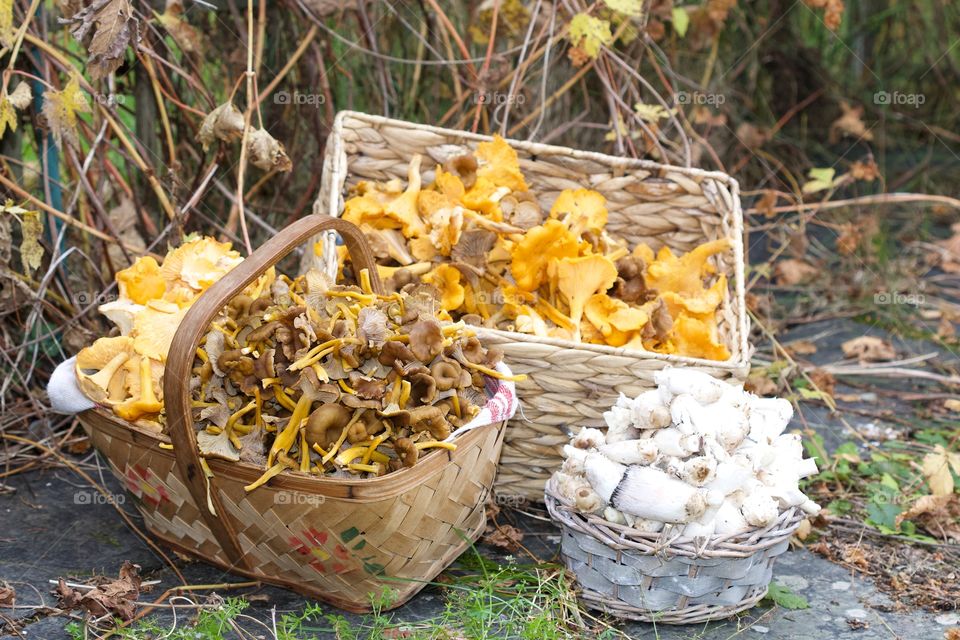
[196,323]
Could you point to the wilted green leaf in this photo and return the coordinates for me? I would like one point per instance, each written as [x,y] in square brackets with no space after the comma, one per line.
[783,597]
[820,180]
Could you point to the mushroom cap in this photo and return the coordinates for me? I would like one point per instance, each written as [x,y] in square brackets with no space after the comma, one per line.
[216,446]
[141,281]
[102,351]
[446,278]
[498,163]
[583,210]
[325,423]
[154,328]
[683,275]
[539,246]
[122,313]
[426,339]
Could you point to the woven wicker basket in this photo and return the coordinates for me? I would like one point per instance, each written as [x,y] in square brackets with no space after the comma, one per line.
[337,540]
[641,576]
[569,384]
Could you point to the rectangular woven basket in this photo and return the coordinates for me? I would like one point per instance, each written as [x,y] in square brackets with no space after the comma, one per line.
[338,540]
[569,384]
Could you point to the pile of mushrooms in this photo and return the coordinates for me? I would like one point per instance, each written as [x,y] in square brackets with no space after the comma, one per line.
[694,457]
[327,379]
[124,372]
[480,235]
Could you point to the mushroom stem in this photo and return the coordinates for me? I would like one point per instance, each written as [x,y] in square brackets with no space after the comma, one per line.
[286,438]
[147,403]
[371,468]
[351,454]
[493,373]
[343,436]
[283,398]
[262,480]
[365,281]
[102,378]
[405,388]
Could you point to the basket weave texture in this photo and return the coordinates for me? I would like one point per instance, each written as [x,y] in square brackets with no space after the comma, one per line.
[641,576]
[569,384]
[338,540]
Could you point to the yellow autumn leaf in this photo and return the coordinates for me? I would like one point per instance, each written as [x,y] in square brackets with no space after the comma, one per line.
[652,113]
[60,108]
[820,180]
[8,116]
[31,252]
[589,33]
[6,23]
[936,469]
[628,7]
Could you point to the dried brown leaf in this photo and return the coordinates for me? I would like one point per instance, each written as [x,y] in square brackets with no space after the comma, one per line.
[223,123]
[107,26]
[117,597]
[938,514]
[505,536]
[868,349]
[267,153]
[791,271]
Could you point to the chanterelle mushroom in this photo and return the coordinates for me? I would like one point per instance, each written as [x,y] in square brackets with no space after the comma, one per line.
[106,356]
[325,424]
[426,339]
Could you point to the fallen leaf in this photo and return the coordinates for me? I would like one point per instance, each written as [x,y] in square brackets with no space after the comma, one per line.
[107,26]
[938,515]
[953,633]
[117,597]
[856,557]
[824,381]
[868,349]
[790,271]
[952,404]
[589,34]
[267,153]
[784,597]
[60,108]
[761,384]
[504,536]
[801,347]
[936,468]
[8,596]
[803,531]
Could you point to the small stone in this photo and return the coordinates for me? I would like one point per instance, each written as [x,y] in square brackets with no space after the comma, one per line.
[856,613]
[792,582]
[759,628]
[948,619]
[840,586]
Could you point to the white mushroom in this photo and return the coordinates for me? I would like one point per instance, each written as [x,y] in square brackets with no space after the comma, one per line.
[672,442]
[673,381]
[759,508]
[644,492]
[768,417]
[649,411]
[642,452]
[588,438]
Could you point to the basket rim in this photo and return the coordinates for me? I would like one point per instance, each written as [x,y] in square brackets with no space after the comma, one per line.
[733,545]
[358,489]
[537,147]
[735,363]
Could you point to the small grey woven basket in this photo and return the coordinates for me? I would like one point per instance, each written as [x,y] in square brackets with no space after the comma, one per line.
[642,576]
